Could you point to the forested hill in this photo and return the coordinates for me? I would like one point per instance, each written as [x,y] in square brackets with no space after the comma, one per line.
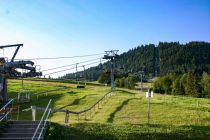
[164,58]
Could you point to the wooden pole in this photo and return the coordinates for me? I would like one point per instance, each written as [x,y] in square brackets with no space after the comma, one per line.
[67,118]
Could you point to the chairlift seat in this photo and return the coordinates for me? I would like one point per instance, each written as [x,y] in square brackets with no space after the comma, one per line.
[80,86]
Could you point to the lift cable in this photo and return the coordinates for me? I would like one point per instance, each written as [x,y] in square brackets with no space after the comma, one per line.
[43,58]
[70,64]
[69,69]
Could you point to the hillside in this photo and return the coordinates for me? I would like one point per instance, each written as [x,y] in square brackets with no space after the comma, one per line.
[121,116]
[166,57]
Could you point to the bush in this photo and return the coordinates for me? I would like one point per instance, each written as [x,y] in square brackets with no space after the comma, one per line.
[157,86]
[128,82]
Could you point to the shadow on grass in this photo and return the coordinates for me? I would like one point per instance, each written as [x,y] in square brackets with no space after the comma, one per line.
[25,111]
[43,100]
[72,92]
[77,101]
[109,131]
[118,109]
[143,89]
[125,92]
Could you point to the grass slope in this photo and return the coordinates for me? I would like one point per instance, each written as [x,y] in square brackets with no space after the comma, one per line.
[123,116]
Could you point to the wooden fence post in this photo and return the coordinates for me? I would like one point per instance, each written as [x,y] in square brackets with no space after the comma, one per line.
[67,118]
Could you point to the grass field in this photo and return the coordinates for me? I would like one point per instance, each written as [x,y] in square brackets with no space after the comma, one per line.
[122,116]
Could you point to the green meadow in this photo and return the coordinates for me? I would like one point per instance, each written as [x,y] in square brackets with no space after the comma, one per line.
[121,116]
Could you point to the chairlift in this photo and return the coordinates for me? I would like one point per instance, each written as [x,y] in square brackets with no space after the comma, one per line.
[122,67]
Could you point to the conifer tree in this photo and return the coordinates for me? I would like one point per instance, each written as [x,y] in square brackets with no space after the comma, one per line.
[191,85]
[205,83]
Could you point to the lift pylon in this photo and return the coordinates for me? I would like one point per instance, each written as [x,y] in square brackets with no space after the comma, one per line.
[9,70]
[111,55]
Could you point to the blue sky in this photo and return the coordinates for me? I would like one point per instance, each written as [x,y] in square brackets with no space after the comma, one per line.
[50,28]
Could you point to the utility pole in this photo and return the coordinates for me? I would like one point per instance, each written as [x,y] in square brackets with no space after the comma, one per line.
[111,55]
[76,74]
[84,74]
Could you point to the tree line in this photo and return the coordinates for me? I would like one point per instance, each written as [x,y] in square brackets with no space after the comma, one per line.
[123,80]
[188,84]
[155,60]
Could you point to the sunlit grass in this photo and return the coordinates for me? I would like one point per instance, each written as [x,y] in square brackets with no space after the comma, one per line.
[171,116]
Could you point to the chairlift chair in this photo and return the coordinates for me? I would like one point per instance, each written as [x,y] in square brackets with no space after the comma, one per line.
[80,85]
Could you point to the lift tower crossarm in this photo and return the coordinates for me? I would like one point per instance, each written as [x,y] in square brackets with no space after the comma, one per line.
[7,46]
[14,45]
